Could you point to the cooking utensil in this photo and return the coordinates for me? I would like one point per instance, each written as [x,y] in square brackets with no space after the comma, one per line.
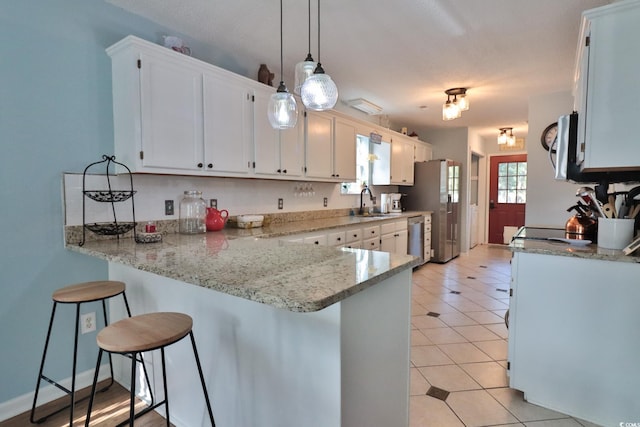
[588,195]
[609,210]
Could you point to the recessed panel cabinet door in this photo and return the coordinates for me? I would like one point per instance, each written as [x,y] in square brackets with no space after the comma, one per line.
[319,145]
[228,125]
[266,138]
[171,114]
[292,150]
[344,158]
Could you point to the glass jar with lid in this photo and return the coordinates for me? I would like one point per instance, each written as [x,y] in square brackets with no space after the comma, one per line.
[193,213]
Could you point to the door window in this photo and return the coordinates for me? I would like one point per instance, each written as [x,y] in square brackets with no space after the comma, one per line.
[512,182]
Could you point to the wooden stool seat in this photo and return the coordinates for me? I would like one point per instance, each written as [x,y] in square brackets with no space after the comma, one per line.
[89,291]
[145,332]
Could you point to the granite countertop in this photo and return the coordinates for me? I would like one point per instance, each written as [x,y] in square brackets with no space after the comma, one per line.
[309,226]
[550,247]
[251,265]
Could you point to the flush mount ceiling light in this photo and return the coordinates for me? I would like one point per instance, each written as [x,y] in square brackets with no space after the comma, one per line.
[282,109]
[452,109]
[305,68]
[365,106]
[319,92]
[506,137]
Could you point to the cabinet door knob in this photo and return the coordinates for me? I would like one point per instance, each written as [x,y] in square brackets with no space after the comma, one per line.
[210,165]
[316,243]
[279,170]
[284,171]
[200,165]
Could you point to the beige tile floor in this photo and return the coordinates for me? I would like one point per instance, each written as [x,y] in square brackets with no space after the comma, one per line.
[459,345]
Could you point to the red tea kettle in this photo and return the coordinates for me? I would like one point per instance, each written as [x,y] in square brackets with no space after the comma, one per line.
[216,219]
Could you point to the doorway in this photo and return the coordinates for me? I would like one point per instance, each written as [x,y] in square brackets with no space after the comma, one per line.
[507,196]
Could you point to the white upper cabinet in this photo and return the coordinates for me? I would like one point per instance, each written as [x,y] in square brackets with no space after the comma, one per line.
[319,146]
[402,160]
[344,152]
[228,125]
[176,115]
[331,147]
[278,153]
[606,87]
[422,152]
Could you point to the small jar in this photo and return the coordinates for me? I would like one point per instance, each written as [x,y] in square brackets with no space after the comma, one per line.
[193,213]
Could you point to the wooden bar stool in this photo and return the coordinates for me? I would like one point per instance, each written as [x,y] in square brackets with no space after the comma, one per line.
[77,294]
[143,333]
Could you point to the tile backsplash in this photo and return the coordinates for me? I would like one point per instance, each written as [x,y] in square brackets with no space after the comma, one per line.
[236,195]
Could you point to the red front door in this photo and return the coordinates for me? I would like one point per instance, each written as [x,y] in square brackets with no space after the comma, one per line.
[507,194]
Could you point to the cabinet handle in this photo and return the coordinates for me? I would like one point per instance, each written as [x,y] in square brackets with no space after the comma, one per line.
[210,165]
[200,165]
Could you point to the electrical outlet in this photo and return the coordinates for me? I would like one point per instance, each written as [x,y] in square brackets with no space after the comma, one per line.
[280,204]
[325,202]
[213,203]
[168,207]
[88,322]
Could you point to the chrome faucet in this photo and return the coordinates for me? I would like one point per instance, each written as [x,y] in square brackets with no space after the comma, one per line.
[365,189]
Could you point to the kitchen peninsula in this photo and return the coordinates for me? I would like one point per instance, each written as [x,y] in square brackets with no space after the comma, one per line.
[572,347]
[289,334]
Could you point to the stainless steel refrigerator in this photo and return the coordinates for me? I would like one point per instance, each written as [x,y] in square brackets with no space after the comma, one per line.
[437,188]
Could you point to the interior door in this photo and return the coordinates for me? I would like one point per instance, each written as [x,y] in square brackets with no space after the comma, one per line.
[507,194]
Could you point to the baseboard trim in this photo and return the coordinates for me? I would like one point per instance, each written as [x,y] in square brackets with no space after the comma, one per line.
[48,393]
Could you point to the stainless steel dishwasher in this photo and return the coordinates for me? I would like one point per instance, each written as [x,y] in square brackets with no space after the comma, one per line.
[416,237]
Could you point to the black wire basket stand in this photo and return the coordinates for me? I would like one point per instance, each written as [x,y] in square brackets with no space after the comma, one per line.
[108,195]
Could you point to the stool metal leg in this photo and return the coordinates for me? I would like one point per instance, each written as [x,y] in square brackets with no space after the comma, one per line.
[166,389]
[93,388]
[73,371]
[132,403]
[204,387]
[44,355]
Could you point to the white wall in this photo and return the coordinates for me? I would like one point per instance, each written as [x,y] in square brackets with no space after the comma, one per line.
[547,199]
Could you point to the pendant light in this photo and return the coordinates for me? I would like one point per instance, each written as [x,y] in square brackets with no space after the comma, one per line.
[305,68]
[283,109]
[319,92]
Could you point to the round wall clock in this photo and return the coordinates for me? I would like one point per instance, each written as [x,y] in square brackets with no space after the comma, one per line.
[549,135]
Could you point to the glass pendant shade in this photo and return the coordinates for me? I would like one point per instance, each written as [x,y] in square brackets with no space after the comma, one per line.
[303,71]
[319,92]
[283,109]
[502,138]
[450,111]
[462,102]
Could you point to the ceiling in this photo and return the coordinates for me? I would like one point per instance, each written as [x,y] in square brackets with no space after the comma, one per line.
[400,55]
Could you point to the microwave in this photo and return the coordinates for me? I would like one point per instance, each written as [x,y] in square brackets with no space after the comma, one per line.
[568,167]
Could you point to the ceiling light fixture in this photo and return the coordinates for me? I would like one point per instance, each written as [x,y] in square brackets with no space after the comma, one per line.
[365,106]
[319,92]
[305,68]
[505,138]
[452,109]
[283,109]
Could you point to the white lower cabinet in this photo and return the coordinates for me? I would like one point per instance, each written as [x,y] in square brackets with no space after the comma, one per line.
[394,237]
[316,239]
[336,238]
[427,237]
[371,244]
